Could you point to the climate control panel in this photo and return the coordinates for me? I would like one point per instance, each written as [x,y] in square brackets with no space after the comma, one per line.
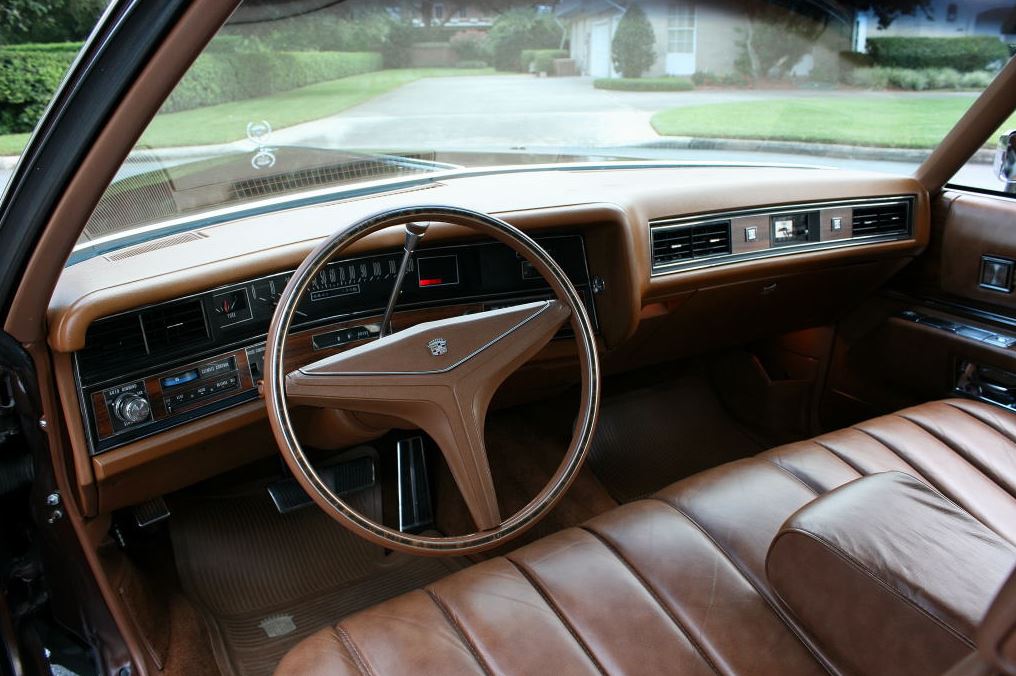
[133,409]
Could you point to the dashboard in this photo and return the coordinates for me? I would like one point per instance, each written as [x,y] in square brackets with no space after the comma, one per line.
[157,348]
[157,367]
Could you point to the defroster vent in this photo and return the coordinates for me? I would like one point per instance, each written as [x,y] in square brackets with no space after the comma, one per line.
[690,242]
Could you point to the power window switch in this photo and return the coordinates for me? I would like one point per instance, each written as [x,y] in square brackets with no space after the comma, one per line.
[996,274]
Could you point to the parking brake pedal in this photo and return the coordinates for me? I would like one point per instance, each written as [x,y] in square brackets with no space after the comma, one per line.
[150,513]
[342,478]
[415,511]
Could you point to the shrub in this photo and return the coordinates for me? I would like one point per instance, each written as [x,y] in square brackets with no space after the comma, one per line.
[906,78]
[519,29]
[540,60]
[943,78]
[470,45]
[918,79]
[218,78]
[645,84]
[976,79]
[395,50]
[29,74]
[72,47]
[320,31]
[706,78]
[632,49]
[471,64]
[964,54]
[869,78]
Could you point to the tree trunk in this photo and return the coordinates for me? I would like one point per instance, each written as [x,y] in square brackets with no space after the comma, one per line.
[750,48]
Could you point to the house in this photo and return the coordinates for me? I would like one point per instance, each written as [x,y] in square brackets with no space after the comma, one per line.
[944,19]
[690,37]
[695,37]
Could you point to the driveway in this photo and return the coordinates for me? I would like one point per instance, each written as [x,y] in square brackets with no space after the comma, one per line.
[505,111]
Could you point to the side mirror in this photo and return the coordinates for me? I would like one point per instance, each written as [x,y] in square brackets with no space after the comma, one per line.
[1005,160]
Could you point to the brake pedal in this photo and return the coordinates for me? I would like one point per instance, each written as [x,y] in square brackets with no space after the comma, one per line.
[415,510]
[342,478]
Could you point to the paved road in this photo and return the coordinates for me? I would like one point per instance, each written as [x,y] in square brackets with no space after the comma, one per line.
[520,113]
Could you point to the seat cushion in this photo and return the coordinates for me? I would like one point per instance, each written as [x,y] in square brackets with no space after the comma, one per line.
[675,583]
[919,566]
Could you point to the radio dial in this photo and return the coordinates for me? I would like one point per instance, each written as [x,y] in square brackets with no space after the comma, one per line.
[131,408]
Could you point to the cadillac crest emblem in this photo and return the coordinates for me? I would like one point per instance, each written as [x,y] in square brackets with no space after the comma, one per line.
[438,347]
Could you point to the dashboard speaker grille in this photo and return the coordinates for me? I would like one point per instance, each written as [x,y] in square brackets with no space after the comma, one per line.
[702,240]
[881,219]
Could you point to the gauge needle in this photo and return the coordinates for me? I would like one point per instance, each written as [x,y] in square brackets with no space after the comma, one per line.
[414,233]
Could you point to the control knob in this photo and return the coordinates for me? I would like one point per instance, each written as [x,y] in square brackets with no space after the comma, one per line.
[131,408]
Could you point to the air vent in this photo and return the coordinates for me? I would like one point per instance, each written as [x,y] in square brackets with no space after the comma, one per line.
[881,219]
[116,339]
[703,240]
[174,326]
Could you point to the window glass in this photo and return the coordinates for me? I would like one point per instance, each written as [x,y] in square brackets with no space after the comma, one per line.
[311,98]
[38,42]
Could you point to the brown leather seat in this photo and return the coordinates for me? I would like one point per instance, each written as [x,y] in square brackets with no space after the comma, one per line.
[677,583]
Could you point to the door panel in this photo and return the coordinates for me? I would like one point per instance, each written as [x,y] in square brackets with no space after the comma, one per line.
[976,226]
[935,331]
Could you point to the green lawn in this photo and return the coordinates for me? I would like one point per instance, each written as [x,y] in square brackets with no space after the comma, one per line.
[228,121]
[893,122]
[13,144]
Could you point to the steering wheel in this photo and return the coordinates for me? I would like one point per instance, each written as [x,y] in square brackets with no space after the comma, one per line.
[439,376]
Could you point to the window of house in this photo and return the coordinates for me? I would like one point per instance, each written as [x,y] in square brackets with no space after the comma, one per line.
[438,12]
[681,28]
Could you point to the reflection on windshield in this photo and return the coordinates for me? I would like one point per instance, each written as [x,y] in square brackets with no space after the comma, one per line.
[338,94]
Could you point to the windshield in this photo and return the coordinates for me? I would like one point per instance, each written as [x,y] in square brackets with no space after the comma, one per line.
[299,96]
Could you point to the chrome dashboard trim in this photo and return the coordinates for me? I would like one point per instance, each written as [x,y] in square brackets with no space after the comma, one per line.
[674,223]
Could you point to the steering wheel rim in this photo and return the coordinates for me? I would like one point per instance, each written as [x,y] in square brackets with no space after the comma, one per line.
[280,386]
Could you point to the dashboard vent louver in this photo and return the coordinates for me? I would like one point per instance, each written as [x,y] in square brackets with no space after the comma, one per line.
[881,219]
[116,338]
[703,240]
[172,327]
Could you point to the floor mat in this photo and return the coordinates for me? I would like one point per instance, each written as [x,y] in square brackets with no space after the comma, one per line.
[649,437]
[263,580]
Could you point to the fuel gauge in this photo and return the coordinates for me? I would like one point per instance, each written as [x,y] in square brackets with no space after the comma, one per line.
[232,307]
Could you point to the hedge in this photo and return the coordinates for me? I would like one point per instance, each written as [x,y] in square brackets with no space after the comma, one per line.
[222,77]
[29,74]
[963,54]
[540,60]
[918,79]
[645,84]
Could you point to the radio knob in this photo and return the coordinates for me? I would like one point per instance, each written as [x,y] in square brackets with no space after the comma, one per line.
[131,408]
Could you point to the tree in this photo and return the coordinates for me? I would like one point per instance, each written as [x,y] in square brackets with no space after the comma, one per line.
[519,29]
[779,32]
[49,21]
[633,48]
